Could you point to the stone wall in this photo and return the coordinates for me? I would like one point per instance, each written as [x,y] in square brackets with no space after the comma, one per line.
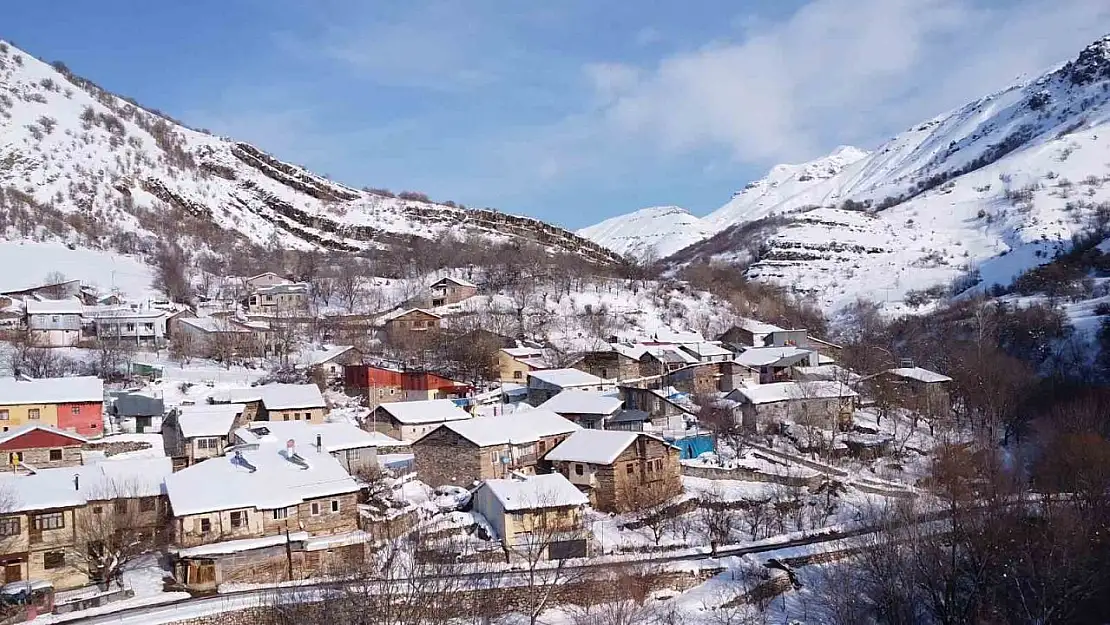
[748,475]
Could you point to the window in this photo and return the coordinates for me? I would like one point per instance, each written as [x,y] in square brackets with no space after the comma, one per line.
[286,417]
[205,526]
[10,526]
[334,505]
[4,416]
[97,509]
[130,327]
[578,469]
[279,514]
[74,410]
[53,318]
[315,508]
[53,560]
[121,506]
[148,504]
[208,443]
[630,468]
[149,327]
[296,416]
[494,457]
[238,518]
[55,455]
[49,521]
[518,374]
[33,413]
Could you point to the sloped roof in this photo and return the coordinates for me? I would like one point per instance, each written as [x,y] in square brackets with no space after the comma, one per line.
[458,281]
[291,396]
[706,350]
[208,419]
[757,327]
[401,313]
[919,374]
[574,401]
[760,356]
[321,356]
[15,433]
[523,352]
[522,426]
[550,490]
[51,391]
[425,411]
[75,486]
[68,306]
[333,436]
[213,324]
[592,446]
[564,378]
[788,391]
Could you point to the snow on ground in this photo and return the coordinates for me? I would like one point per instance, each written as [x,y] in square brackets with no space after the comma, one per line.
[105,270]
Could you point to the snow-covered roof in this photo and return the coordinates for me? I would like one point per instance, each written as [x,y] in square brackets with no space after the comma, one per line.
[574,401]
[564,378]
[523,352]
[24,429]
[333,436]
[51,391]
[706,350]
[679,337]
[266,478]
[550,490]
[920,375]
[522,426]
[788,391]
[424,411]
[66,487]
[760,356]
[208,419]
[291,396]
[321,356]
[672,353]
[214,324]
[263,275]
[68,306]
[116,313]
[634,351]
[401,313]
[757,327]
[238,546]
[288,287]
[458,281]
[593,446]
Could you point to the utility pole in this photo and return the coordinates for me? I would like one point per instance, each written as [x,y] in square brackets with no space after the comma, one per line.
[288,551]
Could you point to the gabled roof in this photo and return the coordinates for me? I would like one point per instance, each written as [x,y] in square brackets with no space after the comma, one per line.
[213,324]
[333,436]
[667,335]
[67,487]
[790,391]
[551,490]
[51,391]
[394,315]
[13,434]
[564,378]
[593,446]
[291,396]
[263,275]
[523,426]
[425,411]
[920,375]
[671,354]
[208,419]
[458,281]
[757,327]
[706,350]
[68,306]
[321,356]
[266,478]
[761,356]
[574,401]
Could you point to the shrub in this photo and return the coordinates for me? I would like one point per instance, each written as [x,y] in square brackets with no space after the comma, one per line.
[415,196]
[1102,309]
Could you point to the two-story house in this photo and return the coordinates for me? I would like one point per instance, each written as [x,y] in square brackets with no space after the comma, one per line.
[137,327]
[463,452]
[821,403]
[376,383]
[71,404]
[515,363]
[543,385]
[192,434]
[354,448]
[589,409]
[279,300]
[539,516]
[263,280]
[411,323]
[422,385]
[450,290]
[409,420]
[261,512]
[54,322]
[620,471]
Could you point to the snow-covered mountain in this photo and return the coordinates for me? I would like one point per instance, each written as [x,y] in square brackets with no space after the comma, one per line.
[83,165]
[655,232]
[989,189]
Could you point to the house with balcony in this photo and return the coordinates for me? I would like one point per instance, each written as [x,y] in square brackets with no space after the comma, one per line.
[136,327]
[450,290]
[70,404]
[411,323]
[289,299]
[465,451]
[620,471]
[261,512]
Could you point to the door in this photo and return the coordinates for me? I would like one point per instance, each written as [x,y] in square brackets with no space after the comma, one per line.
[141,424]
[13,573]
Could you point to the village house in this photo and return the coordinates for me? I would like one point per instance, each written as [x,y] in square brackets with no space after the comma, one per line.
[291,402]
[823,404]
[463,452]
[620,471]
[701,378]
[264,280]
[279,300]
[137,327]
[69,404]
[410,420]
[618,361]
[376,383]
[539,516]
[261,510]
[707,352]
[354,448]
[921,390]
[659,360]
[543,385]
[662,406]
[137,412]
[748,333]
[49,524]
[450,290]
[515,363]
[191,434]
[40,447]
[54,323]
[212,336]
[588,409]
[54,290]
[329,364]
[775,363]
[425,385]
[410,323]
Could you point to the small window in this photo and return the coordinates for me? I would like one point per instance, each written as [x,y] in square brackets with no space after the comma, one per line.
[279,514]
[518,374]
[238,518]
[121,506]
[33,413]
[315,508]
[53,560]
[49,521]
[10,526]
[55,455]
[148,326]
[130,327]
[494,457]
[148,504]
[205,526]
[630,468]
[334,505]
[97,509]
[578,469]
[74,410]
[4,416]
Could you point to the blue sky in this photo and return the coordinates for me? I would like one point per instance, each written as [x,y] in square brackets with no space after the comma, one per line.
[571,111]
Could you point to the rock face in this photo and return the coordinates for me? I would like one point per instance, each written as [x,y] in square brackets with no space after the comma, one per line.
[108,173]
[978,194]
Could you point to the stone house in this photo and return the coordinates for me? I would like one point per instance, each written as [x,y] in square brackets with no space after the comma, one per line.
[662,359]
[463,452]
[618,361]
[588,409]
[291,402]
[41,447]
[775,363]
[252,515]
[410,420]
[329,365]
[543,385]
[701,378]
[55,323]
[620,471]
[192,434]
[355,449]
[449,290]
[922,390]
[411,323]
[514,364]
[663,410]
[538,516]
[707,352]
[749,333]
[821,403]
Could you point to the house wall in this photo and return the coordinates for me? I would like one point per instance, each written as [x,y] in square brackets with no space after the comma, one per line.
[39,457]
[645,474]
[451,293]
[413,322]
[39,543]
[86,418]
[444,457]
[312,415]
[609,365]
[358,460]
[136,329]
[19,414]
[510,369]
[195,453]
[261,523]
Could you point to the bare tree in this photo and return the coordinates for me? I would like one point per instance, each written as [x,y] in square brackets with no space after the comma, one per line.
[120,524]
[171,272]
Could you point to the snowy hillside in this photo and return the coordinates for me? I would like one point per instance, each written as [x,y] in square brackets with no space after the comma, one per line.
[657,232]
[991,188]
[83,165]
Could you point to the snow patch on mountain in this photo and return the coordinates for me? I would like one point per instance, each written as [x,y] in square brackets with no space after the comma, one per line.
[655,232]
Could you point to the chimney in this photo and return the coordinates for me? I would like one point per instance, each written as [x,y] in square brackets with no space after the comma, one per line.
[76,481]
[319,444]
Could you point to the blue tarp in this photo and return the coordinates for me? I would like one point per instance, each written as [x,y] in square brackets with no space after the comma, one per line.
[693,446]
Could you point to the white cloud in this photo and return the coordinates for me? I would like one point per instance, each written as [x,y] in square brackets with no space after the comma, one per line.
[838,71]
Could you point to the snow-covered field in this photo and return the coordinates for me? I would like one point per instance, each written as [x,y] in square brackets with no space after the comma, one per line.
[27,264]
